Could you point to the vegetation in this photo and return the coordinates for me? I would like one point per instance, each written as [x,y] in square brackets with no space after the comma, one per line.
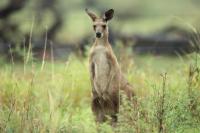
[56,97]
[47,95]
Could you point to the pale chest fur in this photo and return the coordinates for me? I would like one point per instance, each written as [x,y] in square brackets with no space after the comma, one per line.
[101,69]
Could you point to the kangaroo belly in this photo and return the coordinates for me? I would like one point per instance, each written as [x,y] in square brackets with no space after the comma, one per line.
[101,72]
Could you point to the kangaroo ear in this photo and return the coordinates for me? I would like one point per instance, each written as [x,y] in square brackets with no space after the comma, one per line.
[91,14]
[108,15]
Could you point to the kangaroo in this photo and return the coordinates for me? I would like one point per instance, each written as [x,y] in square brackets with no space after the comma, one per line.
[105,74]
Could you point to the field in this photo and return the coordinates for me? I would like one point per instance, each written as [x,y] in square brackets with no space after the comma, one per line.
[46,96]
[55,96]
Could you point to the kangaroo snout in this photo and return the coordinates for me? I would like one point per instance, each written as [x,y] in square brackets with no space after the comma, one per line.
[99,34]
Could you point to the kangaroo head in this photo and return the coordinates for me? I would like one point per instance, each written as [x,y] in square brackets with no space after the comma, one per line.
[100,24]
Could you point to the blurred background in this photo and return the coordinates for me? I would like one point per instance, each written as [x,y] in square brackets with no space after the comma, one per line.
[62,27]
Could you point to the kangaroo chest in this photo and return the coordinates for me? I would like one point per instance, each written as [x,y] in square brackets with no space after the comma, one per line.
[100,70]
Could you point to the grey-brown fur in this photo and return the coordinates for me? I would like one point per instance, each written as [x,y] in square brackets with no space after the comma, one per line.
[105,74]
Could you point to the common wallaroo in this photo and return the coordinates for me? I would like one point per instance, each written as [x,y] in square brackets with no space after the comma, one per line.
[105,74]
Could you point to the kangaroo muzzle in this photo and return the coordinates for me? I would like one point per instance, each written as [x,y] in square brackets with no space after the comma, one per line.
[99,34]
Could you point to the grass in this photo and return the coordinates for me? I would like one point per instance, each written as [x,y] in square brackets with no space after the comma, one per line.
[57,97]
[46,97]
[35,97]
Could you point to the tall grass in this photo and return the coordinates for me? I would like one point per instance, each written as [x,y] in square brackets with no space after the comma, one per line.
[35,102]
[53,96]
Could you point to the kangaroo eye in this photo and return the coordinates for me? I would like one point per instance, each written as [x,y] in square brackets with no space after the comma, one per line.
[104,26]
[94,26]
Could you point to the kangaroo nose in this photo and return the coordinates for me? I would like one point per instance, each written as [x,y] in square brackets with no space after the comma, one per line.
[98,35]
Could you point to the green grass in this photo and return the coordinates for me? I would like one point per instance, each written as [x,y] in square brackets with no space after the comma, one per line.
[46,100]
[57,98]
